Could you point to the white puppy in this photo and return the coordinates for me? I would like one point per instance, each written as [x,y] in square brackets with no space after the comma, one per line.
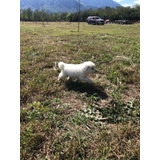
[77,71]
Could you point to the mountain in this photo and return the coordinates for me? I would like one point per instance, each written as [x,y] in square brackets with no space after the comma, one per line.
[100,3]
[66,5]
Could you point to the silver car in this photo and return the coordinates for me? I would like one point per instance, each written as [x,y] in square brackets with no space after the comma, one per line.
[95,20]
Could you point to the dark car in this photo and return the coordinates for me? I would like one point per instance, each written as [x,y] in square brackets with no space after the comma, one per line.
[123,22]
[95,20]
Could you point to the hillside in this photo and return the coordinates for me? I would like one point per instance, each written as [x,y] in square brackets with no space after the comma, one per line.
[65,5]
[100,3]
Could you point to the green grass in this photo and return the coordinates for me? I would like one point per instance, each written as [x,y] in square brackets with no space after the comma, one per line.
[76,120]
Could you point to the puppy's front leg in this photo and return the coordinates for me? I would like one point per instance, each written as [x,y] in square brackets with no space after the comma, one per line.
[86,79]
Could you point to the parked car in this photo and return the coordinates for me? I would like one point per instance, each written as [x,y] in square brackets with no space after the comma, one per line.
[95,20]
[123,22]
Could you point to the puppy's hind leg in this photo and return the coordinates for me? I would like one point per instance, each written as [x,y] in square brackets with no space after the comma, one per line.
[61,75]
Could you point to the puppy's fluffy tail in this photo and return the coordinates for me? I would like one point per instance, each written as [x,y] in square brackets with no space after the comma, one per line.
[61,65]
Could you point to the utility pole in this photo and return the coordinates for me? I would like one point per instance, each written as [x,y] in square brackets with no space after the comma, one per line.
[42,13]
[79,9]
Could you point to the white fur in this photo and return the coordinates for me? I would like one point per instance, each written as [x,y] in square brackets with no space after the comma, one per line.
[77,71]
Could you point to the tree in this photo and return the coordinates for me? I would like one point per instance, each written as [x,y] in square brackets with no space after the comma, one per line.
[23,15]
[36,15]
[69,17]
[119,13]
[29,14]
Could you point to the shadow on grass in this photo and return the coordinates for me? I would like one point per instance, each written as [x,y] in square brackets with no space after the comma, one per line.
[89,89]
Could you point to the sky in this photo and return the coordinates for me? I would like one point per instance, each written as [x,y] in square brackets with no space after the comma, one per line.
[126,3]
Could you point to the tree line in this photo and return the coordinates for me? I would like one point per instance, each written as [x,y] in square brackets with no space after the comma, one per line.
[119,13]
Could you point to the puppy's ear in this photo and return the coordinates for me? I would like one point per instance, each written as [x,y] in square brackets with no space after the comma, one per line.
[87,67]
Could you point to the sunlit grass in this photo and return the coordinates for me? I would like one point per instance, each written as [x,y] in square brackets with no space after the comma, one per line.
[75,120]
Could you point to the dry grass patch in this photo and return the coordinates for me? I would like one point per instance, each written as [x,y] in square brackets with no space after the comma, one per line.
[76,120]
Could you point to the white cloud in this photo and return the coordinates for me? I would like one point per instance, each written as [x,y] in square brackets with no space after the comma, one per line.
[118,0]
[137,2]
[127,5]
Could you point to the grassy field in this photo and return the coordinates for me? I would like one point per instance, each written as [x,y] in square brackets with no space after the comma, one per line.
[63,120]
